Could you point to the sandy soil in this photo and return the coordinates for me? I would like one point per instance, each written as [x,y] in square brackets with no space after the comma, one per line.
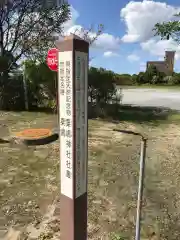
[29,182]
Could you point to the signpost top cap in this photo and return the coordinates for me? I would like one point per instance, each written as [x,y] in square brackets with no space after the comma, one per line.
[72,36]
[72,42]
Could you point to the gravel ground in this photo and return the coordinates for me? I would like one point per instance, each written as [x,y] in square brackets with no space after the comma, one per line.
[152,97]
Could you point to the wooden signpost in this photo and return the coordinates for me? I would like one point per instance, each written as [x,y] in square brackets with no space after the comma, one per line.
[73,101]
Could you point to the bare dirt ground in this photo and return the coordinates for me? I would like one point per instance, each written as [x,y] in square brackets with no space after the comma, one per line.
[29,181]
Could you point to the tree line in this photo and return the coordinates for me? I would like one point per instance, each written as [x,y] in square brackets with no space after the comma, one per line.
[42,85]
[28,29]
[151,77]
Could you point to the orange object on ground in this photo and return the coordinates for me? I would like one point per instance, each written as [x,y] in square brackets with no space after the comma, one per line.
[34,133]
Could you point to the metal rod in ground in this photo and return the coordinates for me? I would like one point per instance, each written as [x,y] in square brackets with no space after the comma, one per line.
[140,190]
[141,178]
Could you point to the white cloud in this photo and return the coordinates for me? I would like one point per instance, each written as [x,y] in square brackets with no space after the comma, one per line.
[110,54]
[90,63]
[133,58]
[108,42]
[140,18]
[158,47]
[160,58]
[105,41]
[72,21]
[142,66]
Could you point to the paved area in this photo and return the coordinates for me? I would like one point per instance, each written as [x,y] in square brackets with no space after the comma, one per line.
[152,97]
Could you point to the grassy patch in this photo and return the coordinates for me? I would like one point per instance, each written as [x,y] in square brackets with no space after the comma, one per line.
[142,114]
[29,178]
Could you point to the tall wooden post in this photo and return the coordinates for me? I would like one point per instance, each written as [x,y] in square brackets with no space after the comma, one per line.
[73,122]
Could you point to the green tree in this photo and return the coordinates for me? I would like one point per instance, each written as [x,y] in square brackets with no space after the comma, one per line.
[102,91]
[134,79]
[123,79]
[106,87]
[93,78]
[42,83]
[27,27]
[101,85]
[90,34]
[150,73]
[26,30]
[152,70]
[8,88]
[175,79]
[167,30]
[141,78]
[155,79]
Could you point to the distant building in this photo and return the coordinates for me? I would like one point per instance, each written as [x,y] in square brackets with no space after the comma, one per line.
[166,66]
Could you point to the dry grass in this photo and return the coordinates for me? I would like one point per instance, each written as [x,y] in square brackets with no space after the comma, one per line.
[29,188]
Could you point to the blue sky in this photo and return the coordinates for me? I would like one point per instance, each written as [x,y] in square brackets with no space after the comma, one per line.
[127,41]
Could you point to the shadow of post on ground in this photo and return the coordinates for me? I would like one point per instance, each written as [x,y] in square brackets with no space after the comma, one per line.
[131,113]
